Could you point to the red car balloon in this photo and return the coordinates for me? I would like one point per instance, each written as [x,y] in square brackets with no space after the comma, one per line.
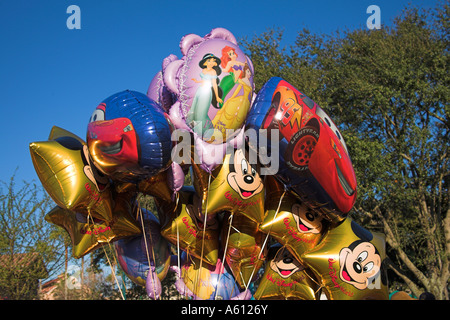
[314,160]
[129,137]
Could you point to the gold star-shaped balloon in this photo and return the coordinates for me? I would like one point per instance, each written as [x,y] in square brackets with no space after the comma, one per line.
[234,186]
[88,233]
[285,278]
[244,243]
[349,261]
[289,221]
[180,226]
[64,168]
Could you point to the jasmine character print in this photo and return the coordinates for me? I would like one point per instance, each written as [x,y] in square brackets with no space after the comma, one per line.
[207,94]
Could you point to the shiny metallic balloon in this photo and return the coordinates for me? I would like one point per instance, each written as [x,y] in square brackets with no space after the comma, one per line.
[350,263]
[67,173]
[285,278]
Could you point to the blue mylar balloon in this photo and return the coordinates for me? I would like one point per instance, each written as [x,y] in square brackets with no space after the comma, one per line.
[135,253]
[129,136]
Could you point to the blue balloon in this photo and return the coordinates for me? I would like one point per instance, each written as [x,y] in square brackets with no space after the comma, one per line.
[135,253]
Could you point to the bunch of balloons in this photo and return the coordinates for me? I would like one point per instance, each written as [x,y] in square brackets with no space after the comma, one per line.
[273,183]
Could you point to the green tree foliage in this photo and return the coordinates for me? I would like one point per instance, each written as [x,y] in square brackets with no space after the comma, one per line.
[388,91]
[30,248]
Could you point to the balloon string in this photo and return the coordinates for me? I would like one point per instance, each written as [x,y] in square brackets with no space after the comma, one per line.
[178,244]
[265,240]
[106,255]
[230,222]
[146,251]
[116,263]
[113,273]
[203,236]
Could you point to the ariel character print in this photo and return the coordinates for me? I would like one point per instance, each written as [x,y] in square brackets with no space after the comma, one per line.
[234,111]
[230,64]
[207,93]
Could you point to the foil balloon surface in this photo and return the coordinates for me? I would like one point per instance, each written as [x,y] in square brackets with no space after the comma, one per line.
[244,248]
[293,224]
[235,186]
[213,83]
[204,282]
[129,137]
[349,262]
[147,253]
[313,157]
[88,233]
[285,278]
[68,174]
[181,227]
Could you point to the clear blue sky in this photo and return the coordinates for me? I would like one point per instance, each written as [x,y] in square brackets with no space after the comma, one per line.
[50,75]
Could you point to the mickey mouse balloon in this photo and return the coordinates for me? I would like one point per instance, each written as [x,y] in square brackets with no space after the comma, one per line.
[88,233]
[350,263]
[285,278]
[245,252]
[290,221]
[235,186]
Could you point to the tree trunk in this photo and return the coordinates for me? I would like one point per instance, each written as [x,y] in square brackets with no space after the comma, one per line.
[66,266]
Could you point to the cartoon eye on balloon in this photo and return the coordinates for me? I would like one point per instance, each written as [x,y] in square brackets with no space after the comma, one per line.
[129,137]
[314,161]
[350,263]
[66,171]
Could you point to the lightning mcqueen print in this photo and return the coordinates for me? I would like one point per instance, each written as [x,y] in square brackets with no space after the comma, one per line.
[314,160]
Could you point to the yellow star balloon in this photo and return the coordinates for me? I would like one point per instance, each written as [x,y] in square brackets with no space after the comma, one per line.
[289,221]
[350,263]
[88,233]
[64,168]
[180,226]
[285,278]
[234,186]
[244,244]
